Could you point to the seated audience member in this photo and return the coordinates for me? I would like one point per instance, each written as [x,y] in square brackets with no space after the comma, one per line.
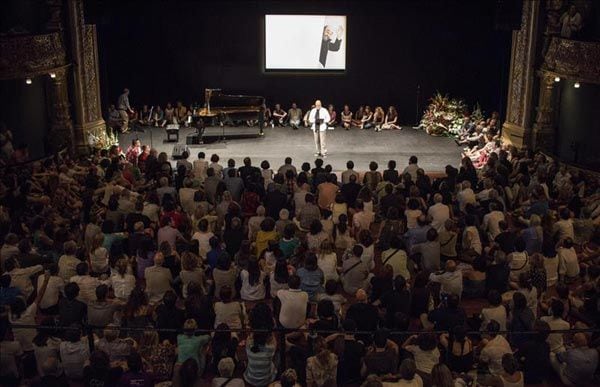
[135,375]
[382,359]
[293,303]
[190,346]
[366,122]
[424,349]
[321,368]
[226,368]
[311,277]
[354,272]
[494,349]
[577,365]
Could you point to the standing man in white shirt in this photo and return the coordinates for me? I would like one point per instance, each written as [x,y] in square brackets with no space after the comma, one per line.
[318,119]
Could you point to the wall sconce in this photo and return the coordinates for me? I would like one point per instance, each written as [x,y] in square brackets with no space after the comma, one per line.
[28,81]
[52,75]
[556,79]
[577,85]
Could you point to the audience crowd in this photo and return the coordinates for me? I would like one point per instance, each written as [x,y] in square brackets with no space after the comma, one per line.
[137,272]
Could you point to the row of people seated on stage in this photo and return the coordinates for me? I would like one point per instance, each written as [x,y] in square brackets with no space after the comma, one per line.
[364,117]
[154,115]
[482,138]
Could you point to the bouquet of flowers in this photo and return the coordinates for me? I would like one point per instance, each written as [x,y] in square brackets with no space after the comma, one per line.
[101,138]
[444,116]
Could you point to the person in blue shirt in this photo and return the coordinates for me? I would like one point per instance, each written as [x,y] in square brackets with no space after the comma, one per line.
[8,294]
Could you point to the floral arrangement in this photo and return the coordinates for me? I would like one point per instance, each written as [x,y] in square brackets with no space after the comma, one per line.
[444,116]
[101,138]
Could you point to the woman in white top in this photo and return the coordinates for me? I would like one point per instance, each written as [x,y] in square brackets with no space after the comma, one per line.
[20,313]
[327,261]
[152,208]
[46,344]
[266,172]
[278,279]
[253,287]
[518,260]
[550,263]
[191,271]
[496,311]
[203,236]
[412,213]
[99,256]
[232,313]
[368,245]
[56,285]
[214,164]
[122,281]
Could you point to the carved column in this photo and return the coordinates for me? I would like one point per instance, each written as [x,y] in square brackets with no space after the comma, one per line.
[543,128]
[61,126]
[517,127]
[84,50]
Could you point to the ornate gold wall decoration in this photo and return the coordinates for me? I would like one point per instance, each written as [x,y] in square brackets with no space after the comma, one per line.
[61,126]
[31,55]
[517,126]
[573,59]
[88,112]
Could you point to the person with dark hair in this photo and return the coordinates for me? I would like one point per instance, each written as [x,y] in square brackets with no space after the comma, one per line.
[70,309]
[534,354]
[260,347]
[496,311]
[556,322]
[229,312]
[396,301]
[311,277]
[135,376]
[521,319]
[494,348]
[568,264]
[354,272]
[350,352]
[382,359]
[293,304]
[425,352]
[100,312]
[169,316]
[87,284]
[74,351]
[253,278]
[459,349]
[447,315]
[99,372]
[408,374]
[8,293]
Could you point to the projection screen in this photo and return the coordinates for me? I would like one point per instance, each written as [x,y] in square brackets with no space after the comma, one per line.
[305,42]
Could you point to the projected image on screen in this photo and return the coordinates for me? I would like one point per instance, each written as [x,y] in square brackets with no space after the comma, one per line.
[305,42]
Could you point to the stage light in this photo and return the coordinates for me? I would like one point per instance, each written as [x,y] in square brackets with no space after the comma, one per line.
[577,85]
[556,79]
[28,81]
[52,75]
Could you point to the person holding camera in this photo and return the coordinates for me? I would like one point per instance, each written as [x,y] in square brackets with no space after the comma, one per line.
[318,119]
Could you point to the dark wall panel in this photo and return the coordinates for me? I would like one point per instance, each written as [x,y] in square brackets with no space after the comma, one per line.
[165,51]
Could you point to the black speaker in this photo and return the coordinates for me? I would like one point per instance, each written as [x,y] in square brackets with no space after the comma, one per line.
[508,15]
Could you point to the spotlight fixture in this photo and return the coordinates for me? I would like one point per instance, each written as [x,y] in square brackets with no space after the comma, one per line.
[52,75]
[556,79]
[577,85]
[28,81]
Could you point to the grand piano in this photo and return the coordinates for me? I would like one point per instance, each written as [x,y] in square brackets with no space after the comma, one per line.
[230,110]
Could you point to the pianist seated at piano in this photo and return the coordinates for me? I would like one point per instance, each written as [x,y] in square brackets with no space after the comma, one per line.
[279,115]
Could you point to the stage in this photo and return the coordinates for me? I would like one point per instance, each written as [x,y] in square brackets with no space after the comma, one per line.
[360,146]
